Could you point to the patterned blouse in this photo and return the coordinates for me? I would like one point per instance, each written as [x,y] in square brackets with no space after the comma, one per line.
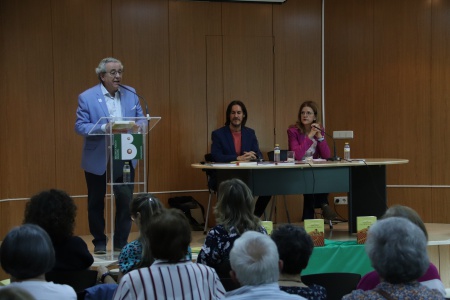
[217,246]
[312,292]
[130,256]
[402,291]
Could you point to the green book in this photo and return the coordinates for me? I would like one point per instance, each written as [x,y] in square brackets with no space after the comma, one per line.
[316,229]
[362,227]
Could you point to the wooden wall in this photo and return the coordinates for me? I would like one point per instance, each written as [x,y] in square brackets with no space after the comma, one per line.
[386,78]
[387,68]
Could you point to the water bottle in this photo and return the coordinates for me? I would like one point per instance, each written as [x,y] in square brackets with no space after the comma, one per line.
[126,172]
[347,151]
[276,153]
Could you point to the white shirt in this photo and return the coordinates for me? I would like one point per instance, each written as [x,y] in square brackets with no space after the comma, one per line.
[113,103]
[43,290]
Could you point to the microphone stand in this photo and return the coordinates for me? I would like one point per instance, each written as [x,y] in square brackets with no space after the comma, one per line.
[145,101]
[335,157]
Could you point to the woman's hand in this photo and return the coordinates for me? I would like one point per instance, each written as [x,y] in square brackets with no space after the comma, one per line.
[316,128]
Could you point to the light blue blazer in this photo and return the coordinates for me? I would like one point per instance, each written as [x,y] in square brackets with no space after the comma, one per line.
[92,107]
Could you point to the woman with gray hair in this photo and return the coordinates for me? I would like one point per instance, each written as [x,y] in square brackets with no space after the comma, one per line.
[397,249]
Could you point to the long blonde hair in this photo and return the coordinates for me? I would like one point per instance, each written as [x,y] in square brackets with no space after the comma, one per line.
[235,206]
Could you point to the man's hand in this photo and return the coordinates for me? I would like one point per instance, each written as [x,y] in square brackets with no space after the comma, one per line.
[247,156]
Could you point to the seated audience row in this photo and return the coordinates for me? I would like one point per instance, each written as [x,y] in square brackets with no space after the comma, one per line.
[158,262]
[26,254]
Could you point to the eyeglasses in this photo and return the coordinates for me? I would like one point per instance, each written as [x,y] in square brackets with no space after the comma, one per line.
[113,73]
[308,113]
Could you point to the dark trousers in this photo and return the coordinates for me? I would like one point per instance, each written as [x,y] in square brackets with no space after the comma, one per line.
[311,202]
[96,185]
[260,205]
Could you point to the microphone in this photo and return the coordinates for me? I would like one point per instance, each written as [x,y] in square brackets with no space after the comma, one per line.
[145,101]
[335,157]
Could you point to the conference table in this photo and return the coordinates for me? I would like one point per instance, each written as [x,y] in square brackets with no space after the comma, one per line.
[363,180]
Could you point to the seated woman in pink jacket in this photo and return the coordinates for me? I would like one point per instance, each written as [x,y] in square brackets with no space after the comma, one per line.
[307,139]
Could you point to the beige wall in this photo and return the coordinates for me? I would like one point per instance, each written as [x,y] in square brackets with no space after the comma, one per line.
[386,78]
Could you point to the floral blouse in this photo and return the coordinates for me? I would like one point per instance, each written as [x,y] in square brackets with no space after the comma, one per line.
[403,291]
[218,244]
[312,292]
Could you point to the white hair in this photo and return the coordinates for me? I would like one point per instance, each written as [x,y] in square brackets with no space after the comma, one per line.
[254,258]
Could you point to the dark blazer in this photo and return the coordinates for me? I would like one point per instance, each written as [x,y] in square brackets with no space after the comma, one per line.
[222,148]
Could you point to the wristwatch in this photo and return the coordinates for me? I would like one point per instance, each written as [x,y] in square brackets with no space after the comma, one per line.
[320,139]
[104,275]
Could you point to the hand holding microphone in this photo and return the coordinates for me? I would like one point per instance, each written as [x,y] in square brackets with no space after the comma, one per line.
[315,127]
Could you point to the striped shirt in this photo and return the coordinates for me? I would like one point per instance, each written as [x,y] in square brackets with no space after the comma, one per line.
[184,280]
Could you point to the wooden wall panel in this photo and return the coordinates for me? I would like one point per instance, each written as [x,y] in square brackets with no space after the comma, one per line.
[215,102]
[27,103]
[402,110]
[298,61]
[349,99]
[440,111]
[440,92]
[141,39]
[246,19]
[74,73]
[248,76]
[189,23]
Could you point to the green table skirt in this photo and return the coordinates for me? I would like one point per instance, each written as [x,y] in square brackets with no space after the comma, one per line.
[340,257]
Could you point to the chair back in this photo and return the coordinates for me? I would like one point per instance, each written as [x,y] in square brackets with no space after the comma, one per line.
[283,155]
[210,175]
[79,280]
[336,284]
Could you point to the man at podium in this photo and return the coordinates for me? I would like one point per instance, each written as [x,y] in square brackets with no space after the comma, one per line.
[106,99]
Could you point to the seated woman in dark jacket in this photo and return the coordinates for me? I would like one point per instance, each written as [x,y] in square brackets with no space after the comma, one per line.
[55,212]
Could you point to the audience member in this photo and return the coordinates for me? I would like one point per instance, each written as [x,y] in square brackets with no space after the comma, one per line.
[295,247]
[234,216]
[256,267]
[55,211]
[237,142]
[431,277]
[14,293]
[397,249]
[171,276]
[137,254]
[26,254]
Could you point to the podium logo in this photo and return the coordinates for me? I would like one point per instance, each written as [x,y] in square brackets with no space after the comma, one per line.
[128,146]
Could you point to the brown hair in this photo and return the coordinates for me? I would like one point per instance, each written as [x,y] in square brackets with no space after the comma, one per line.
[298,124]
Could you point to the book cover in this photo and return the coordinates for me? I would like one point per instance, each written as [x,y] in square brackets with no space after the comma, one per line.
[362,227]
[316,229]
[118,125]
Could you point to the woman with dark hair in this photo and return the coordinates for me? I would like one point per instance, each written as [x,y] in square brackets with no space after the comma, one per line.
[55,211]
[234,215]
[26,254]
[295,247]
[137,254]
[171,276]
[307,139]
[397,249]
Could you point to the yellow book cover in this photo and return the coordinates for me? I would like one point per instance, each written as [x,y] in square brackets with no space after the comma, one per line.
[362,226]
[316,229]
